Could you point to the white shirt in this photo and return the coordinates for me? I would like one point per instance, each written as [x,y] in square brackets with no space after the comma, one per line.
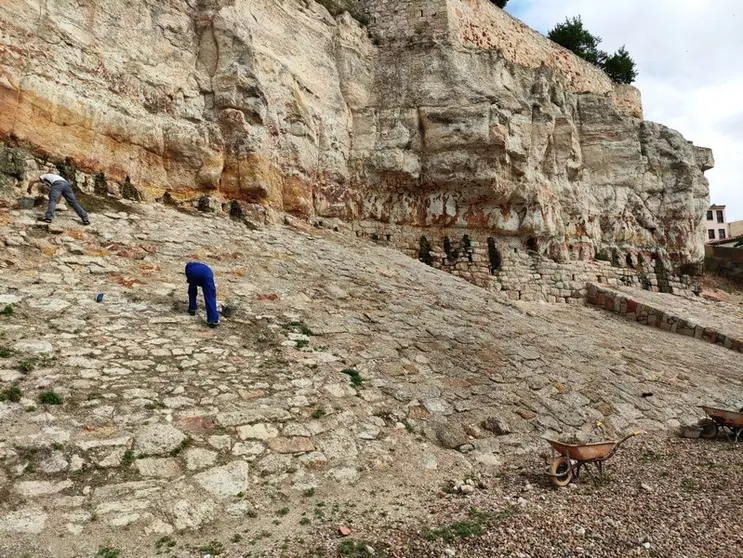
[51,178]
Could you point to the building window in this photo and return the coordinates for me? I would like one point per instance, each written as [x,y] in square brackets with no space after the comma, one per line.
[720,218]
[709,216]
[711,234]
[723,236]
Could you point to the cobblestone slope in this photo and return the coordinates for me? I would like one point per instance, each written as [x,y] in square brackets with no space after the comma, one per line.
[350,372]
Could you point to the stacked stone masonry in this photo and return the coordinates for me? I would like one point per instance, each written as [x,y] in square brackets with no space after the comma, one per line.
[516,269]
[408,19]
[480,25]
[634,310]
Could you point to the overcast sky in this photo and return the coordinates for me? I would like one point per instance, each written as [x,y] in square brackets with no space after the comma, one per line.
[690,57]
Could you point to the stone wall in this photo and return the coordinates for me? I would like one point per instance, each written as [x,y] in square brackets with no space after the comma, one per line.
[516,269]
[479,24]
[392,20]
[628,99]
[647,314]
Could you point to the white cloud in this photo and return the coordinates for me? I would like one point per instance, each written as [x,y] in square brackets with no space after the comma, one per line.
[690,57]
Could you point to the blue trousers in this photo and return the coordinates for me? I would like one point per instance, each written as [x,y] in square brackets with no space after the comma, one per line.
[200,275]
[58,189]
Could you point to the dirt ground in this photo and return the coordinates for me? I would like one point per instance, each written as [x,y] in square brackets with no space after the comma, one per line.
[660,497]
[719,288]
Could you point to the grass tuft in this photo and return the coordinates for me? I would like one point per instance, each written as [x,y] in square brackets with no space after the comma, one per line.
[356,379]
[13,393]
[50,398]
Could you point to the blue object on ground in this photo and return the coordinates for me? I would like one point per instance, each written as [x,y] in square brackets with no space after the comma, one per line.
[99,298]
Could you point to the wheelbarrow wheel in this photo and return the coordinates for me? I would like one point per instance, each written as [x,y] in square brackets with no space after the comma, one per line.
[709,429]
[560,471]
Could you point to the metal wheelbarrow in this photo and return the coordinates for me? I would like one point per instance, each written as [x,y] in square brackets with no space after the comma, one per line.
[729,421]
[573,457]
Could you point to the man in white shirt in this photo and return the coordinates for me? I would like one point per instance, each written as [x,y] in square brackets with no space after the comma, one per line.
[59,187]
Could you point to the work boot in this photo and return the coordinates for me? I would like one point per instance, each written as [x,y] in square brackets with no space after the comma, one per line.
[86,222]
[192,312]
[213,324]
[45,219]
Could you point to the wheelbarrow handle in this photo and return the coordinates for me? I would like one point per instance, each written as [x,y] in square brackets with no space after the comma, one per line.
[636,433]
[620,442]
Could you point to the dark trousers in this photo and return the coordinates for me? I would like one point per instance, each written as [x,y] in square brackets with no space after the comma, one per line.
[63,189]
[199,275]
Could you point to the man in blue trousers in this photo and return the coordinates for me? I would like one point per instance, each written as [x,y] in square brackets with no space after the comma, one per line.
[200,275]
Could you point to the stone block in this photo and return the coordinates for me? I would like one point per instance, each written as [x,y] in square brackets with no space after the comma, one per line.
[291,445]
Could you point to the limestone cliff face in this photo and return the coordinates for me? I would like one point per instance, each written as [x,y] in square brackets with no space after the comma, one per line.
[445,113]
[497,129]
[243,97]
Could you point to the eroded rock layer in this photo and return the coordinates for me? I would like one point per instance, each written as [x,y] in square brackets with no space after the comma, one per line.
[446,113]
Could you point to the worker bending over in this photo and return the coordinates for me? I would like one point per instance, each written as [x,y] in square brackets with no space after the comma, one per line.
[200,275]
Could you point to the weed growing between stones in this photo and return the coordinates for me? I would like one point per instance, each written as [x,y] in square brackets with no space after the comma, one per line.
[30,364]
[356,549]
[7,311]
[5,352]
[108,552]
[215,548]
[167,542]
[319,512]
[50,398]
[128,457]
[356,379]
[474,526]
[691,486]
[309,493]
[13,393]
[318,413]
[601,480]
[298,327]
[27,365]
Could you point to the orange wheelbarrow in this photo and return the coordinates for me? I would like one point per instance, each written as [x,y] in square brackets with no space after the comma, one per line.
[573,457]
[730,421]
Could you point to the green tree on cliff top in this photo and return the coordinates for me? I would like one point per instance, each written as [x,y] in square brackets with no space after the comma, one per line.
[575,37]
[500,3]
[620,67]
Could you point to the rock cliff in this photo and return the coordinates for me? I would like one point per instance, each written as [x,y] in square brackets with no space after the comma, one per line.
[446,113]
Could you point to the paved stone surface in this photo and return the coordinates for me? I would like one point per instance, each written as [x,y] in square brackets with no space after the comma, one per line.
[158,439]
[168,425]
[710,321]
[226,481]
